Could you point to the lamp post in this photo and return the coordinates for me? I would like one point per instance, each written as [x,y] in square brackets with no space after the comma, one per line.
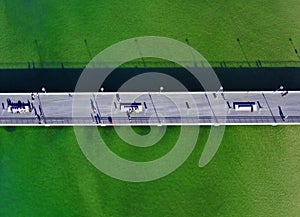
[44,89]
[220,89]
[161,89]
[280,88]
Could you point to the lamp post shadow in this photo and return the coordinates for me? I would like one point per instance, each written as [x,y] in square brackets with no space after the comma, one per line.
[243,51]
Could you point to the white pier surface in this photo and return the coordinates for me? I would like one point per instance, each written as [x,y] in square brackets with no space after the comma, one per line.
[166,108]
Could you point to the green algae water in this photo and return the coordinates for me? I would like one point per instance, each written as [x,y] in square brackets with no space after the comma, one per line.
[255,172]
[43,171]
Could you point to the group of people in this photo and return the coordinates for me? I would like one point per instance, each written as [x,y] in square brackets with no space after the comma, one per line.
[17,107]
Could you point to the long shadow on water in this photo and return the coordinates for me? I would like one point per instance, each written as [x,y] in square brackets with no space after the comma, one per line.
[232,79]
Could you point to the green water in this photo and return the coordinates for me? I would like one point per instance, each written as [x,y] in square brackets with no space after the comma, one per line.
[254,173]
[212,27]
[44,173]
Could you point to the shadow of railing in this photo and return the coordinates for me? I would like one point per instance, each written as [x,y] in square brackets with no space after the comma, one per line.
[149,64]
